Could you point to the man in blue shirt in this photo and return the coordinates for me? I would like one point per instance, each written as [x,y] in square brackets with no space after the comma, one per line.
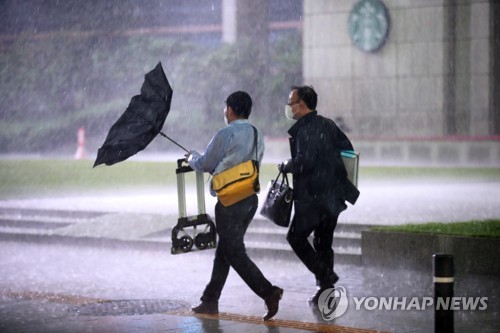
[229,147]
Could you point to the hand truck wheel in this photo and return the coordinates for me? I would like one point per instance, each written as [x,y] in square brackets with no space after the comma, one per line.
[187,243]
[201,241]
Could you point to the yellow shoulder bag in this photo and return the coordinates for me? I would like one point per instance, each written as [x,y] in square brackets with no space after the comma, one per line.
[239,182]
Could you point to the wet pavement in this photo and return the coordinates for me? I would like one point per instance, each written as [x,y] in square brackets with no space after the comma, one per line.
[71,288]
[79,271]
[67,287]
[395,202]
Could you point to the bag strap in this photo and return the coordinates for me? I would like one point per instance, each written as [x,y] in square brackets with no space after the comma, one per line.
[255,135]
[284,179]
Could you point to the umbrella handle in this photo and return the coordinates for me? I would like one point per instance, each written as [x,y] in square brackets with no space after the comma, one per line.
[162,134]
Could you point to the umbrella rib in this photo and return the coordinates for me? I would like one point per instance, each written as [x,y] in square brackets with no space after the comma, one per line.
[162,134]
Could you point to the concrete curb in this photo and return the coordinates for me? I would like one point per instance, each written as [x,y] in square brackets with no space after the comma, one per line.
[256,250]
[472,255]
[95,242]
[151,232]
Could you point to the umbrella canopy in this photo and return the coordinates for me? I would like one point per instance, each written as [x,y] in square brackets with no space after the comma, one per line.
[141,122]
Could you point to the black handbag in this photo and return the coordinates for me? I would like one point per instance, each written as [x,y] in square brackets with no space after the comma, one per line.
[279,201]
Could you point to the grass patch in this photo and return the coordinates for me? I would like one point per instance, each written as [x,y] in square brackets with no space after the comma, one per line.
[33,178]
[487,228]
[37,178]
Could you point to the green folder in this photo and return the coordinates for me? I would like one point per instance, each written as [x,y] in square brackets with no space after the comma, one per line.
[351,163]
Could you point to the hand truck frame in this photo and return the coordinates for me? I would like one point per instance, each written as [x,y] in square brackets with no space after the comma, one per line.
[207,238]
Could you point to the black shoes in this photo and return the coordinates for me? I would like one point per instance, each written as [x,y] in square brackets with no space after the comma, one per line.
[272,303]
[206,308]
[324,284]
[314,299]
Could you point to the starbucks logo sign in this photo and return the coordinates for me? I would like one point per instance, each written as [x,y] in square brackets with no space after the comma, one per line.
[369,25]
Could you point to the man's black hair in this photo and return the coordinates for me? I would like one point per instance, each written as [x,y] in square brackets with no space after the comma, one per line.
[308,95]
[241,103]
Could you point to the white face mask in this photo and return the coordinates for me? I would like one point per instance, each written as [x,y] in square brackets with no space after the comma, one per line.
[226,121]
[289,112]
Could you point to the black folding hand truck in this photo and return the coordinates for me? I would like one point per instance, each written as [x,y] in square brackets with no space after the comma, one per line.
[183,237]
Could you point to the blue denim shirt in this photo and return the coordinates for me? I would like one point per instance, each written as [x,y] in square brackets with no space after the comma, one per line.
[230,146]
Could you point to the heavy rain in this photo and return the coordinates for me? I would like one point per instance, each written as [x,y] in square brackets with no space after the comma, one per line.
[415,87]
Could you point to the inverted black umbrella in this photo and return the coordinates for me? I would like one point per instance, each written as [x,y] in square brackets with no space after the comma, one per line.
[141,122]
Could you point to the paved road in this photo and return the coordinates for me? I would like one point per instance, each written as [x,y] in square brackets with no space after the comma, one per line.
[380,202]
[54,288]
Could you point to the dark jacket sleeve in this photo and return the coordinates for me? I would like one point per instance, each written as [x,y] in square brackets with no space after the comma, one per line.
[306,152]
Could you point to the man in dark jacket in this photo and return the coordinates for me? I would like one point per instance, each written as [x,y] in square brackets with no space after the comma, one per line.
[320,185]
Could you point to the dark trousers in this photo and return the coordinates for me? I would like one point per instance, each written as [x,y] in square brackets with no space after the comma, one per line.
[318,257]
[232,223]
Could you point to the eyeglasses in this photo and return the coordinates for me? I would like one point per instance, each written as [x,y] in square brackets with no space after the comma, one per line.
[293,103]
